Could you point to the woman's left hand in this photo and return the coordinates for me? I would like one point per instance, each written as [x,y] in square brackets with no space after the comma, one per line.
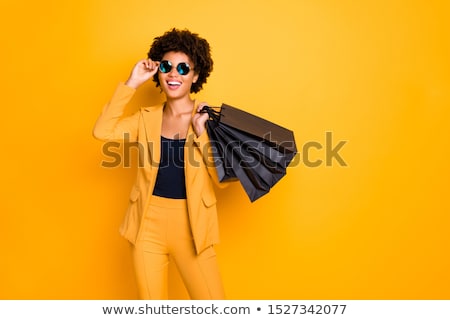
[199,119]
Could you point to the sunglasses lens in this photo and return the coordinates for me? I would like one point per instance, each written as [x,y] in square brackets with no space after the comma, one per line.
[183,68]
[165,66]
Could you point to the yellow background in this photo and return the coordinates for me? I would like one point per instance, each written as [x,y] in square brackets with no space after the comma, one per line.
[374,73]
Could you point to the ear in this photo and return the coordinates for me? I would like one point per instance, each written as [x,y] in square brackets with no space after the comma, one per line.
[194,80]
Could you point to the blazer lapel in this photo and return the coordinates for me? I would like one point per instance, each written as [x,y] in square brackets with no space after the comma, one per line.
[152,126]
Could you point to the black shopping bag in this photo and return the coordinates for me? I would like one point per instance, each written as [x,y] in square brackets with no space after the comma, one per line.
[248,148]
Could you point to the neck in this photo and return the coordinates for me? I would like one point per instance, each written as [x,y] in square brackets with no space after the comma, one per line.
[179,106]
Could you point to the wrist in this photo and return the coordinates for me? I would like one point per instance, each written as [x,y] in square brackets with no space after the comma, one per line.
[199,130]
[132,83]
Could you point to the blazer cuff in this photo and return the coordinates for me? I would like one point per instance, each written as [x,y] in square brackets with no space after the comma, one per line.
[203,138]
[203,143]
[123,92]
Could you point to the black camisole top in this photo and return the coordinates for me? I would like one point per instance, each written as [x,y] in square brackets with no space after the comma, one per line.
[170,180]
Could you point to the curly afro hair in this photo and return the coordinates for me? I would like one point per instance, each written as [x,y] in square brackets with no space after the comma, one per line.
[196,48]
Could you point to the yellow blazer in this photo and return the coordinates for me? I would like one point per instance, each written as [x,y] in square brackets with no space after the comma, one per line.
[144,127]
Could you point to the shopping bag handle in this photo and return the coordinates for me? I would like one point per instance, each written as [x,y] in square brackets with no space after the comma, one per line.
[213,114]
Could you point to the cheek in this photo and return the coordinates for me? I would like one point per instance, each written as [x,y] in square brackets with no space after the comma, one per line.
[160,77]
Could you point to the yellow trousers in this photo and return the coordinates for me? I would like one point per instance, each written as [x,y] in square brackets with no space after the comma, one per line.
[165,231]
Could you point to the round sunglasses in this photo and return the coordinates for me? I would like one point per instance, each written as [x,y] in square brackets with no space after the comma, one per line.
[183,68]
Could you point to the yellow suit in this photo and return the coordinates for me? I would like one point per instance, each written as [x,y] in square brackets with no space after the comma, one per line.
[144,127]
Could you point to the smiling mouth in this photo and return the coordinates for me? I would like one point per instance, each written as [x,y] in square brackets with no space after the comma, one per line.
[174,83]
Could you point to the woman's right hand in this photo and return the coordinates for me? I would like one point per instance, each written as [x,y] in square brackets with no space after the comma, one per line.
[142,71]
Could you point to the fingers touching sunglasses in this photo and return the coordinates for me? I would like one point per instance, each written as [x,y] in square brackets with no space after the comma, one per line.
[183,68]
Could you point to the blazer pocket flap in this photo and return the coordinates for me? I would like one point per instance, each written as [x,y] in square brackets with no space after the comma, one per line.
[134,194]
[209,198]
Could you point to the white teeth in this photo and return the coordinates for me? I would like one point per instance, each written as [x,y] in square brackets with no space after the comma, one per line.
[174,83]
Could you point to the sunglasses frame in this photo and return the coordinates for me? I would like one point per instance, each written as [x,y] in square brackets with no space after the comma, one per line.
[165,66]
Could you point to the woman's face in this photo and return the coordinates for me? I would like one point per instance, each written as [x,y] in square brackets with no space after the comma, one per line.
[174,84]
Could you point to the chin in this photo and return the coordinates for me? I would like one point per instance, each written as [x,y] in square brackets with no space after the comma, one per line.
[170,94]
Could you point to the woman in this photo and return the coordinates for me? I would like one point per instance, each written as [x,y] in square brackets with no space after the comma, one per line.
[172,210]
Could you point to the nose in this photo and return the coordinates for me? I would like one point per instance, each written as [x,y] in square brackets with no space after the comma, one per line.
[173,72]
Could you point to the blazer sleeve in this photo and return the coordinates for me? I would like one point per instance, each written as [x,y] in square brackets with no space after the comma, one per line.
[204,145]
[111,125]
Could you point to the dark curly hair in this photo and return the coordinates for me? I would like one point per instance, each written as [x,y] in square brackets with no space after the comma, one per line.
[196,48]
